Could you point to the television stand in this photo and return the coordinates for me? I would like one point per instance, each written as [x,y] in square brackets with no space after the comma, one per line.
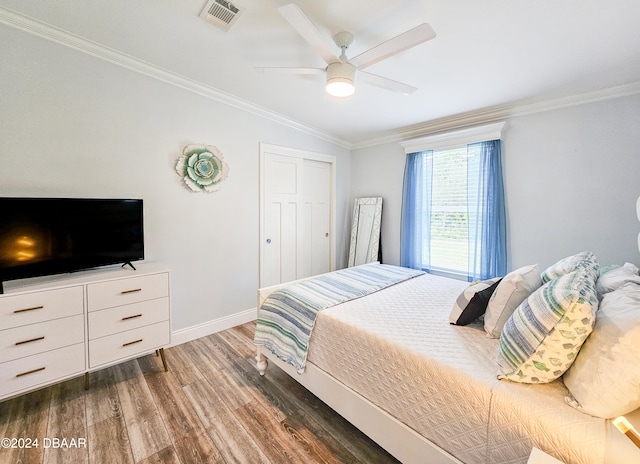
[61,327]
[128,263]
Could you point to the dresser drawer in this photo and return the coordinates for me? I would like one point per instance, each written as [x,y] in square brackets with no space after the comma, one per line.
[120,292]
[122,318]
[30,308]
[35,338]
[128,344]
[40,369]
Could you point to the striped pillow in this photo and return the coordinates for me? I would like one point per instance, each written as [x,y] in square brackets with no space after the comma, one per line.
[543,336]
[586,260]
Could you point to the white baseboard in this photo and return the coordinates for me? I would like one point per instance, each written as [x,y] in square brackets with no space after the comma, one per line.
[207,328]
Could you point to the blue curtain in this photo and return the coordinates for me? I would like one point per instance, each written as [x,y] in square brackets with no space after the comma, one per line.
[416,211]
[486,211]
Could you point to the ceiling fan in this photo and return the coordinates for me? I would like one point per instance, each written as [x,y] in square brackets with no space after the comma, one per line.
[340,70]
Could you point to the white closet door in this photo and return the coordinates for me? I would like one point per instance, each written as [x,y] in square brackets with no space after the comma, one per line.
[296,216]
[282,190]
[316,219]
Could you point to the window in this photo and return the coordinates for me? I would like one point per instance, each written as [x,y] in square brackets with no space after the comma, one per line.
[449,216]
[453,219]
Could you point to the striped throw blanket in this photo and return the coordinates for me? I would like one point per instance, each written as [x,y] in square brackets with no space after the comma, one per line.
[288,315]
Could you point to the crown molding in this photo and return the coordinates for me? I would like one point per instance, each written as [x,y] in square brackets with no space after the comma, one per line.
[68,39]
[520,109]
[499,113]
[484,116]
[464,136]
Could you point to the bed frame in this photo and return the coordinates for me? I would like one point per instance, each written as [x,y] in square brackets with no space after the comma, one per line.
[401,441]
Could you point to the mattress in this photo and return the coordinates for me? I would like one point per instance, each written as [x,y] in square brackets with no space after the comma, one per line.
[397,349]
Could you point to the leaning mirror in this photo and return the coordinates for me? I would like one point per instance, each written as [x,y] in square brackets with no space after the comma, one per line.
[365,231]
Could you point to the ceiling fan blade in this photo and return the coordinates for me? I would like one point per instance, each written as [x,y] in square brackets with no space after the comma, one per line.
[284,70]
[399,43]
[297,19]
[388,84]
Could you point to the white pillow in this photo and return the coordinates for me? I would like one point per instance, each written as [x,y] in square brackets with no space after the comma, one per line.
[512,290]
[616,278]
[603,381]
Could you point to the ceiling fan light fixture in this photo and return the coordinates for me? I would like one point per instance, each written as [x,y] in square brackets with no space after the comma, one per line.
[341,79]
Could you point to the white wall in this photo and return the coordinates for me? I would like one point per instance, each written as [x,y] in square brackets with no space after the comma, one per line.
[77,126]
[572,177]
[378,172]
[74,125]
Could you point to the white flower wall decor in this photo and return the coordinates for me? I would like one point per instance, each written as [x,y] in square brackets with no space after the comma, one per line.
[202,168]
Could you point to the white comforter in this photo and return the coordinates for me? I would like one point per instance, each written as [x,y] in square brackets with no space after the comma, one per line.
[397,349]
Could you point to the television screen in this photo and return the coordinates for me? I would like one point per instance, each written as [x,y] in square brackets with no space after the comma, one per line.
[42,236]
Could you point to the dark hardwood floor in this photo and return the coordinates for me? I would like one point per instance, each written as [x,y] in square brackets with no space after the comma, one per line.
[212,406]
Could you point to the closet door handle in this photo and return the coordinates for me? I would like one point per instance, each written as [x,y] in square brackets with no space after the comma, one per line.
[29,341]
[27,309]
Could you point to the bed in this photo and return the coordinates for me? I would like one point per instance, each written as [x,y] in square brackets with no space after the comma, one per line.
[426,391]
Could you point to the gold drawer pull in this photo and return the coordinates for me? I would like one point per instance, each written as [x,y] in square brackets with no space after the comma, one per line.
[31,372]
[131,343]
[135,290]
[131,317]
[27,309]
[29,341]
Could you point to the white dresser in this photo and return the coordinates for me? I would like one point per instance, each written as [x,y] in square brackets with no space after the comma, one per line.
[57,327]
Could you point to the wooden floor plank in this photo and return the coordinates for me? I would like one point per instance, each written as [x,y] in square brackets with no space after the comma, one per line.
[102,401]
[181,365]
[225,353]
[311,409]
[177,413]
[108,441]
[279,443]
[211,407]
[232,440]
[205,401]
[305,406]
[67,421]
[249,380]
[317,444]
[190,442]
[165,456]
[202,353]
[232,393]
[197,448]
[341,439]
[146,429]
[28,419]
[241,341]
[244,331]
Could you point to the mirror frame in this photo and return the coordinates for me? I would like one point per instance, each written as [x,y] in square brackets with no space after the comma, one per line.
[375,232]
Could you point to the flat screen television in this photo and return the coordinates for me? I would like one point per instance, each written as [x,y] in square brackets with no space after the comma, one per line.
[46,236]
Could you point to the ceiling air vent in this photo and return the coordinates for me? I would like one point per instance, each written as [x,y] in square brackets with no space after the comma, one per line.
[221,13]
